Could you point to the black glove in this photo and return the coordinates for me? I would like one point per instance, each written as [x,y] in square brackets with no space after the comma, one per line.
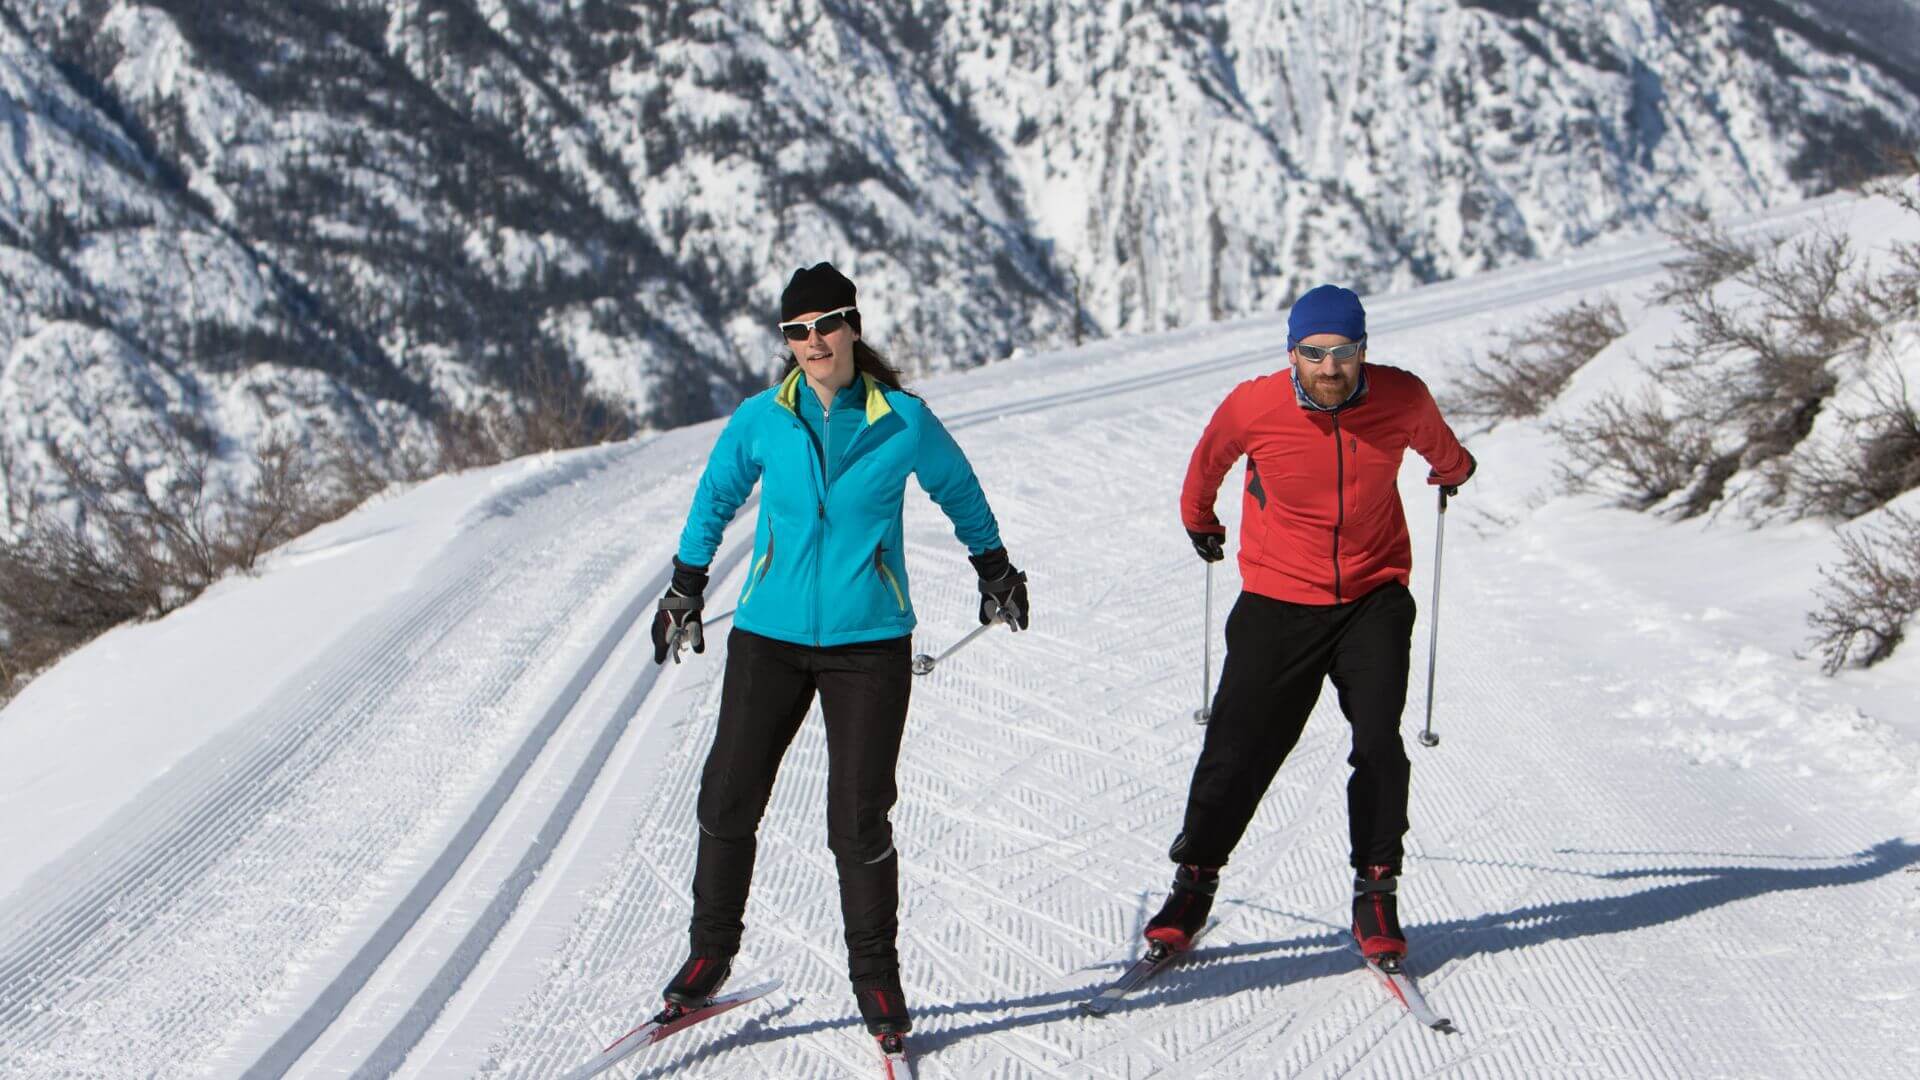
[678,620]
[1211,546]
[1450,490]
[1001,586]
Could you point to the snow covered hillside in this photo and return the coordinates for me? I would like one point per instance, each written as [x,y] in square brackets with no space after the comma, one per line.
[416,802]
[330,215]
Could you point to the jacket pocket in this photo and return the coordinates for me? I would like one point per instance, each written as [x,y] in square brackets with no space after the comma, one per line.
[759,569]
[886,576]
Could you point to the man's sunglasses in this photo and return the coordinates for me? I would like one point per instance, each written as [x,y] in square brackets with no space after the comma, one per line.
[826,324]
[1338,352]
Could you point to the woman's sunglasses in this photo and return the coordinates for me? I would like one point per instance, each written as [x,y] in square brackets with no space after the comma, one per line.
[826,324]
[1338,352]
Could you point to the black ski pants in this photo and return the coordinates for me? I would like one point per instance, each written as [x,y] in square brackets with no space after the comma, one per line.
[1277,655]
[768,688]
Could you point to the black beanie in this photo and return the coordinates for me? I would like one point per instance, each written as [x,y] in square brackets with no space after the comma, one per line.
[816,288]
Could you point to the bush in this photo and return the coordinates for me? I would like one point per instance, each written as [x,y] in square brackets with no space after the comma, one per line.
[1631,451]
[1903,186]
[137,544]
[1528,370]
[1755,370]
[550,407]
[1870,597]
[1879,461]
[1709,255]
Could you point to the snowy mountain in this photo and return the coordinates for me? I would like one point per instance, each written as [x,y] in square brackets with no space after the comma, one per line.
[350,215]
[416,802]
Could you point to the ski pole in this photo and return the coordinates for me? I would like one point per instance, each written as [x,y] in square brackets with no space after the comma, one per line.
[922,664]
[1427,737]
[1205,712]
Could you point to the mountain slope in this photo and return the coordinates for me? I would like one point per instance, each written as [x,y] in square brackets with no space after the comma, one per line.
[441,196]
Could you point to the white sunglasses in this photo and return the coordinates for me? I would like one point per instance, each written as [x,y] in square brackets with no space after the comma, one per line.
[826,324]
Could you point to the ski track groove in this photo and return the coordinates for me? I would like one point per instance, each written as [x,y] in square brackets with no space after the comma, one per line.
[203,832]
[139,864]
[254,797]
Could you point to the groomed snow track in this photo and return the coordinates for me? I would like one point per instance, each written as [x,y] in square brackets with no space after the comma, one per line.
[458,845]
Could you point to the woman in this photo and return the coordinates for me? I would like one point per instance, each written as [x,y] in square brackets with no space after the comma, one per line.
[825,610]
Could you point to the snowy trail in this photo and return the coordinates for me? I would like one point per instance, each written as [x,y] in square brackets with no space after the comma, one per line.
[459,844]
[364,761]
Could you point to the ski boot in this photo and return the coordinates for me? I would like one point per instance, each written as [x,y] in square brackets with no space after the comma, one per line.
[697,981]
[883,1006]
[1376,921]
[1186,909]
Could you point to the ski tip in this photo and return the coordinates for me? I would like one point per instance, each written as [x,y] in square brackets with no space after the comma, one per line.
[1445,1027]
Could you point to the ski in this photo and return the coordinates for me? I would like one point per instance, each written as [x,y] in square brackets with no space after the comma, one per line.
[669,1020]
[1393,975]
[893,1057]
[1156,960]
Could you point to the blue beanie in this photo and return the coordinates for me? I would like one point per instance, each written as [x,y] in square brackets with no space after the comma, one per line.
[1327,309]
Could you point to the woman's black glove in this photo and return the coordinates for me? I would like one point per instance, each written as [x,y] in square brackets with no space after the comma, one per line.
[678,621]
[1001,587]
[1210,546]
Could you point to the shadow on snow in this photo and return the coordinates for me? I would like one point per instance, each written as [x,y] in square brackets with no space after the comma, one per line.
[1214,972]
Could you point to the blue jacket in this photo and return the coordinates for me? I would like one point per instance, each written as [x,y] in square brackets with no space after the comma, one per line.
[828,566]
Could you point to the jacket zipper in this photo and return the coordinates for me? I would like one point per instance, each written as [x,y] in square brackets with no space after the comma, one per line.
[1340,497]
[824,484]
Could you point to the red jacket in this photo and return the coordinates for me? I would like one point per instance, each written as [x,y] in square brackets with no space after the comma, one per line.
[1321,521]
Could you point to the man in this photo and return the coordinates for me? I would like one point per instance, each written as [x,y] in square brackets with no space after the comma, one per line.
[1324,560]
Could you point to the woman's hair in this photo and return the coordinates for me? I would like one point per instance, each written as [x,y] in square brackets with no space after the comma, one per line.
[866,359]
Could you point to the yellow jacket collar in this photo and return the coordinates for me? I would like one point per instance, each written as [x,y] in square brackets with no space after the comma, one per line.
[789,395]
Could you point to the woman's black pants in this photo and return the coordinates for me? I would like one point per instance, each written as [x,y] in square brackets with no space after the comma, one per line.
[1277,655]
[768,688]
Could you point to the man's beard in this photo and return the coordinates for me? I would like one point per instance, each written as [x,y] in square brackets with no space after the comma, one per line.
[1330,391]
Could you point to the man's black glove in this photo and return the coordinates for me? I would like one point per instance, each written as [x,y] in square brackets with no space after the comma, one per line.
[678,620]
[1450,490]
[1211,546]
[1001,586]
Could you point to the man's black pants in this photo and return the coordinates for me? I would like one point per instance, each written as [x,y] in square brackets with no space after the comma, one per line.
[768,688]
[1277,655]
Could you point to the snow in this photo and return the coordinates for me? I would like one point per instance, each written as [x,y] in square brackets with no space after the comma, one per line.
[142,697]
[415,801]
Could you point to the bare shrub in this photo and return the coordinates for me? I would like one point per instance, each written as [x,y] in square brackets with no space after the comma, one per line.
[162,525]
[1867,600]
[1903,186]
[136,544]
[1709,254]
[1528,370]
[1764,366]
[1630,450]
[1881,460]
[550,407]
